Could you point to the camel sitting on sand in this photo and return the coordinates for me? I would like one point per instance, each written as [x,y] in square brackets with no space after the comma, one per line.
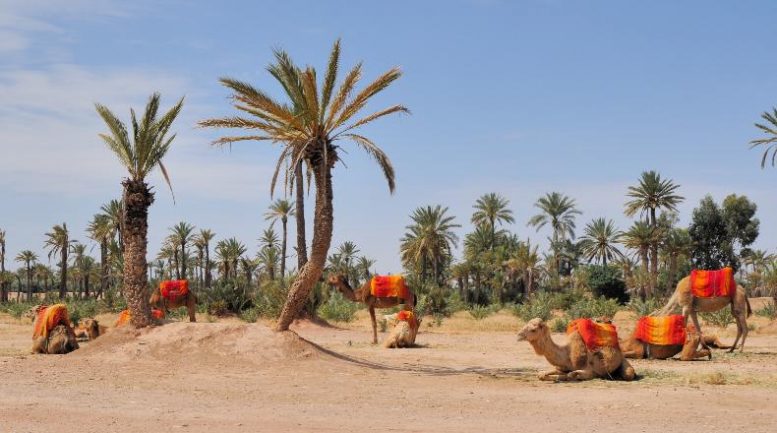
[88,329]
[406,325]
[60,340]
[165,303]
[574,360]
[663,337]
[690,304]
[364,296]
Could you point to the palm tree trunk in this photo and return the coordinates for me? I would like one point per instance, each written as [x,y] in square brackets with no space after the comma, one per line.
[29,283]
[137,199]
[208,276]
[644,255]
[183,260]
[323,224]
[653,253]
[3,283]
[299,214]
[103,267]
[283,248]
[63,274]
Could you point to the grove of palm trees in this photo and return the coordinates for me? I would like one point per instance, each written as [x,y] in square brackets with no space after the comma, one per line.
[218,252]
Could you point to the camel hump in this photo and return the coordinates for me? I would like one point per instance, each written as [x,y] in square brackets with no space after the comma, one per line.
[661,330]
[389,286]
[173,289]
[713,283]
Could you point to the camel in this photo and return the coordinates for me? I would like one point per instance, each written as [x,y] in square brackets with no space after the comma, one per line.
[633,348]
[189,300]
[61,340]
[574,361]
[88,329]
[404,332]
[740,309]
[364,296]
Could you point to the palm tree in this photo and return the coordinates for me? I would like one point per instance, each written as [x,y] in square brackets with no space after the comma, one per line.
[599,241]
[640,237]
[652,193]
[203,239]
[100,230]
[363,266]
[28,258]
[429,240]
[525,261]
[676,243]
[770,142]
[139,153]
[113,210]
[491,209]
[267,258]
[228,253]
[182,236]
[281,210]
[58,242]
[3,291]
[559,211]
[309,129]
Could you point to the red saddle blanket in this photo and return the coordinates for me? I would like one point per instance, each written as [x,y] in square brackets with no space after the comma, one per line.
[595,335]
[661,331]
[709,284]
[125,316]
[173,289]
[49,318]
[389,286]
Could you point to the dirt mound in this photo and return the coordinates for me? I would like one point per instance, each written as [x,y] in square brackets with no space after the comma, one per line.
[254,343]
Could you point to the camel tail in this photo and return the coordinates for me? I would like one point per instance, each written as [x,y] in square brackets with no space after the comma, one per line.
[670,305]
[749,308]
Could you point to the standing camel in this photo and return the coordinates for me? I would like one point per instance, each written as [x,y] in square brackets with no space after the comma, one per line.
[690,304]
[364,295]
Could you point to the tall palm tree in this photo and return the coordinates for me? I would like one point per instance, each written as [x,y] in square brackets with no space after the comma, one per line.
[640,237]
[58,242]
[28,258]
[651,194]
[228,253]
[139,152]
[113,210]
[299,215]
[267,258]
[309,128]
[281,210]
[677,242]
[363,266]
[560,212]
[3,284]
[598,242]
[182,236]
[429,240]
[769,142]
[203,239]
[491,209]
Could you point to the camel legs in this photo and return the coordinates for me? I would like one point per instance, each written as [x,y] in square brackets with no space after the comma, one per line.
[553,375]
[740,313]
[374,325]
[626,371]
[688,310]
[581,375]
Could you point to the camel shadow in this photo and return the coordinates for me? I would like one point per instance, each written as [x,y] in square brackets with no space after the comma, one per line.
[430,370]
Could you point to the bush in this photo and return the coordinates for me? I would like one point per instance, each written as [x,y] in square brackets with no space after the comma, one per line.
[480,312]
[250,315]
[560,324]
[539,304]
[269,302]
[606,281]
[646,307]
[112,302]
[769,311]
[338,309]
[226,297]
[720,318]
[592,308]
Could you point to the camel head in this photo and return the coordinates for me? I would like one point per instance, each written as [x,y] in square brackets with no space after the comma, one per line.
[335,279]
[92,328]
[32,313]
[533,330]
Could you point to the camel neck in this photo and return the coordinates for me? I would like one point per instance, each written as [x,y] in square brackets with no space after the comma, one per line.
[555,354]
[347,291]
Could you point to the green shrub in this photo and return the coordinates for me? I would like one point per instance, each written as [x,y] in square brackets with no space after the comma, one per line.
[720,318]
[592,308]
[480,312]
[539,304]
[560,324]
[338,309]
[606,281]
[272,295]
[646,307]
[250,315]
[769,311]
[111,302]
[232,296]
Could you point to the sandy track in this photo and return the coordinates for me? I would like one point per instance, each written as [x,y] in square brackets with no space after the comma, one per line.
[231,377]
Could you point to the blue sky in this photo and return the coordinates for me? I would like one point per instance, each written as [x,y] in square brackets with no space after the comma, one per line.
[515,97]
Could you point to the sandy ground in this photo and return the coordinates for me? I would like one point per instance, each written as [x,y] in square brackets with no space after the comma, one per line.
[467,375]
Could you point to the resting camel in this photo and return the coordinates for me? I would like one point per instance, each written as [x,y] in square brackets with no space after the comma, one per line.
[60,340]
[404,332]
[740,309]
[88,329]
[364,296]
[574,361]
[189,300]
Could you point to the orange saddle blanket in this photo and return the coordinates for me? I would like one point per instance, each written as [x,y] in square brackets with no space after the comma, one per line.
[708,284]
[661,331]
[49,318]
[389,286]
[125,316]
[595,335]
[173,289]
